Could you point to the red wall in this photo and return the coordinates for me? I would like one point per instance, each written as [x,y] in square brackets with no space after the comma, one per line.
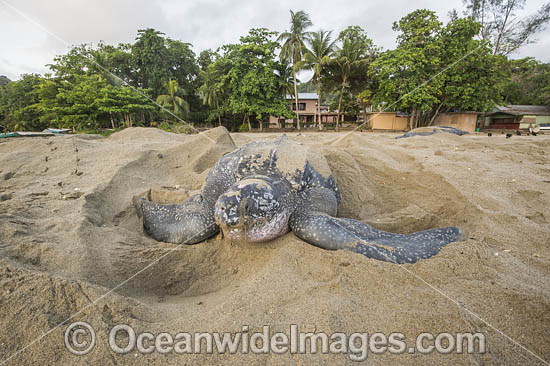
[505,126]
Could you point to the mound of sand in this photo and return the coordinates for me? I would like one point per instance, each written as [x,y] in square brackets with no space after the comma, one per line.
[71,244]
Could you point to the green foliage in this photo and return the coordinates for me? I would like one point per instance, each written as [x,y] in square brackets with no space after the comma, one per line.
[286,74]
[435,67]
[294,41]
[174,103]
[4,80]
[243,128]
[182,65]
[83,93]
[247,78]
[206,57]
[408,76]
[18,104]
[91,102]
[501,27]
[150,56]
[165,126]
[177,127]
[316,59]
[184,128]
[294,45]
[86,102]
[471,74]
[529,82]
[212,90]
[347,71]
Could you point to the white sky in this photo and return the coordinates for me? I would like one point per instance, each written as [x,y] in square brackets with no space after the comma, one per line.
[26,48]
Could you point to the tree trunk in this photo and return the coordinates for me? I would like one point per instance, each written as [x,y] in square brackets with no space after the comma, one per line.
[319,105]
[112,122]
[364,105]
[296,99]
[340,104]
[411,119]
[483,20]
[435,114]
[500,33]
[219,115]
[248,120]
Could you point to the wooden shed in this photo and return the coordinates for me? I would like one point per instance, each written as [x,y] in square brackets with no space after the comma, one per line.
[389,121]
[465,121]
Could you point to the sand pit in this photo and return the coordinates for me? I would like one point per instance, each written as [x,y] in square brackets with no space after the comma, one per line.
[71,243]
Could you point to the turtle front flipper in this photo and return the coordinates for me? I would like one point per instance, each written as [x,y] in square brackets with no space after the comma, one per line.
[314,223]
[187,223]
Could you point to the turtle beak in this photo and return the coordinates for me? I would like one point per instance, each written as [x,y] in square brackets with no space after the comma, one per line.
[229,213]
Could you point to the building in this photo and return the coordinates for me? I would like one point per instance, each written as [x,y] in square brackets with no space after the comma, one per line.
[388,121]
[307,109]
[466,121]
[515,117]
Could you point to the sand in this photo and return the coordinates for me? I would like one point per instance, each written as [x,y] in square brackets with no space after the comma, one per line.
[72,247]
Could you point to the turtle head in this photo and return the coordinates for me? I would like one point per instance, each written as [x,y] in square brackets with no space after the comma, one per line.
[254,209]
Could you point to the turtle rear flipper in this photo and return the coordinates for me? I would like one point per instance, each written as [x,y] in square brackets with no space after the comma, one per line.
[187,223]
[313,223]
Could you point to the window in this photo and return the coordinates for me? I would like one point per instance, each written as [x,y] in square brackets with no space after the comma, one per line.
[301,106]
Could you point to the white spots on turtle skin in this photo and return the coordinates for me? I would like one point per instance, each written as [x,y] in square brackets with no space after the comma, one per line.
[314,223]
[248,197]
[188,223]
[275,227]
[256,208]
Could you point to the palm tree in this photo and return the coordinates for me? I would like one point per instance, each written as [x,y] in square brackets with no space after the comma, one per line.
[286,81]
[174,103]
[294,46]
[349,61]
[316,58]
[210,92]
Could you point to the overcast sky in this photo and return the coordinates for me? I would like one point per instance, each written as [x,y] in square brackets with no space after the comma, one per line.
[25,47]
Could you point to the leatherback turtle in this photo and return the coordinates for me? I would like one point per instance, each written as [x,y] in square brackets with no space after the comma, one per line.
[261,190]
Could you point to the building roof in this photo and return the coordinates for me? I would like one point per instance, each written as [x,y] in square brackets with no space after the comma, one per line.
[304,96]
[520,110]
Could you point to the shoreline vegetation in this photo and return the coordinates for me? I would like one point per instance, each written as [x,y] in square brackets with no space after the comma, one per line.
[157,81]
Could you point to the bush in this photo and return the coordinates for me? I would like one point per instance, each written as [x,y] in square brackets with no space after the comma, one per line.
[183,128]
[177,128]
[165,126]
[243,127]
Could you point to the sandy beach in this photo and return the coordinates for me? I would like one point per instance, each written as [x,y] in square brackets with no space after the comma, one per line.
[72,248]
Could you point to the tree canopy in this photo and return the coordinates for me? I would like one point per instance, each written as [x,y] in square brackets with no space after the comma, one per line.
[500,25]
[251,82]
[435,67]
